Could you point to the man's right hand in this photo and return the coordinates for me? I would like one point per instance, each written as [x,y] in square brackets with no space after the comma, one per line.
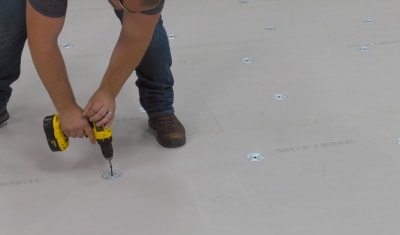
[75,125]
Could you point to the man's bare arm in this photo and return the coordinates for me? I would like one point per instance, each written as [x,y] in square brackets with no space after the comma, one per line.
[43,33]
[136,33]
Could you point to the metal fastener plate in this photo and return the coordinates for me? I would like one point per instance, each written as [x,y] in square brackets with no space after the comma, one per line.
[255,157]
[107,175]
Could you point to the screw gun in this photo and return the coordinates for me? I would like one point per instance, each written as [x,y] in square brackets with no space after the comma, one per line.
[59,142]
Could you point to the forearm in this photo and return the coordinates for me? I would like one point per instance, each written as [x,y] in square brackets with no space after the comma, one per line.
[42,39]
[124,60]
[51,69]
[131,46]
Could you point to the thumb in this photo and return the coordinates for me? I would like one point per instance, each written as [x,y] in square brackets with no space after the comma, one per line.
[90,135]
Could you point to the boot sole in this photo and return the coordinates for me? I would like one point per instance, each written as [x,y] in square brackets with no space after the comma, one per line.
[172,144]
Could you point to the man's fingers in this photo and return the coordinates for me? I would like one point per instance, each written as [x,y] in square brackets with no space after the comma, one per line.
[93,110]
[71,134]
[80,134]
[96,116]
[106,119]
[108,125]
[75,133]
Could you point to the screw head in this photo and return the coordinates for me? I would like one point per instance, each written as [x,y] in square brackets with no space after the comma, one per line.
[370,21]
[270,28]
[247,60]
[279,97]
[66,45]
[255,157]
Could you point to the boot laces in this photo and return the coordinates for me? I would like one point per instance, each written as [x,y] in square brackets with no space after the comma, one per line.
[167,121]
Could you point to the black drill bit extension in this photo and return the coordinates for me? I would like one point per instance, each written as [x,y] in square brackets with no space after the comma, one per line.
[111,167]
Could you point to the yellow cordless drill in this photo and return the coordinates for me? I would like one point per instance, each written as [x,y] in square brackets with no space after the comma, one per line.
[59,142]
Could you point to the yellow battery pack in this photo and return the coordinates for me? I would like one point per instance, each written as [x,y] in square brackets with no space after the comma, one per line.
[55,136]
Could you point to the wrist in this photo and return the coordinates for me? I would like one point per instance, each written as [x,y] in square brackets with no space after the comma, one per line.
[66,107]
[108,89]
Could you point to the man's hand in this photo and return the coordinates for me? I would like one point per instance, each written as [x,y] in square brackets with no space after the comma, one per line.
[74,124]
[101,108]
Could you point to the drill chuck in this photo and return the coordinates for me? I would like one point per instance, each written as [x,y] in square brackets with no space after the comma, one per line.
[106,148]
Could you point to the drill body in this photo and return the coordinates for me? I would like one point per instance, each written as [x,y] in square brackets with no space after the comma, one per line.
[103,137]
[59,142]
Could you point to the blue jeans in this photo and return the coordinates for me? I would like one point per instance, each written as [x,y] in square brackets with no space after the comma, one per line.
[12,41]
[155,80]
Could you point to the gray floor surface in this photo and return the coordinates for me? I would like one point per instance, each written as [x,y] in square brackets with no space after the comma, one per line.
[311,86]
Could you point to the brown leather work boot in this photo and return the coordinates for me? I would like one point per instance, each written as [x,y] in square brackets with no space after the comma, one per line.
[170,131]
